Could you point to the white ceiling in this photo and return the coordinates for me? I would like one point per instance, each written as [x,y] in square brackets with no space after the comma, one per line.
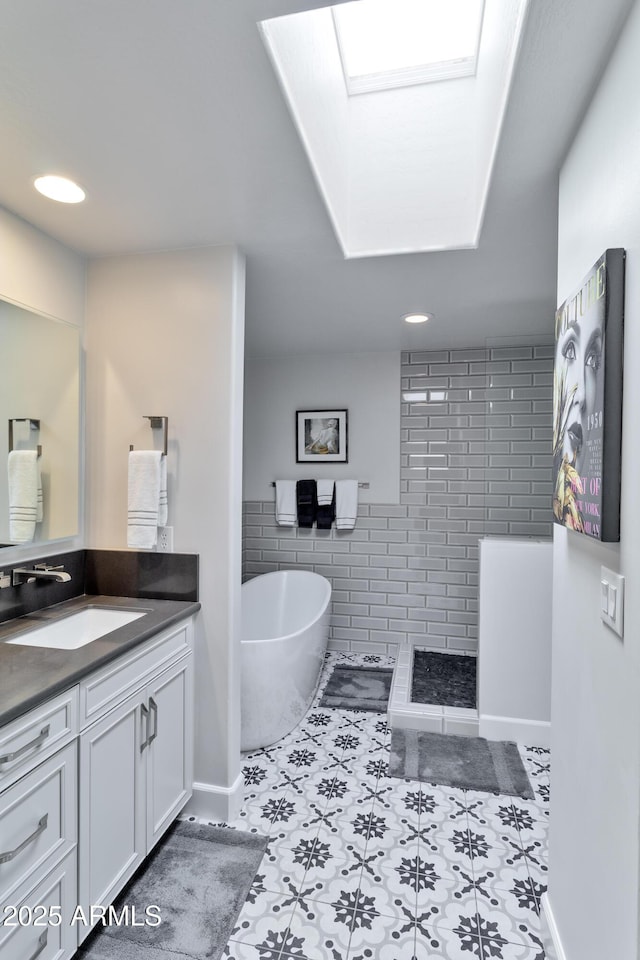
[171,117]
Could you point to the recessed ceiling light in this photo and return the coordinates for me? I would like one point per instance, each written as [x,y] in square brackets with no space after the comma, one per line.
[59,188]
[417,317]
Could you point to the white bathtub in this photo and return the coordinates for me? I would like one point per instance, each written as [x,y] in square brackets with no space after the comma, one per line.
[285,628]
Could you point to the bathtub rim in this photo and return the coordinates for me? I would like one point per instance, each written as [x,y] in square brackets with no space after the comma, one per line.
[307,626]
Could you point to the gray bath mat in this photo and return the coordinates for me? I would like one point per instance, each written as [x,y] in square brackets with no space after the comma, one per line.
[358,688]
[199,877]
[444,678]
[472,763]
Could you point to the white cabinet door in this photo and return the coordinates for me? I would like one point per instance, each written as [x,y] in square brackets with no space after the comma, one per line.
[169,753]
[112,803]
[136,770]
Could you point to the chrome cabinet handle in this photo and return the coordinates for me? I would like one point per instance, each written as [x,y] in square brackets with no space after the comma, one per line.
[10,854]
[42,736]
[154,709]
[144,718]
[42,942]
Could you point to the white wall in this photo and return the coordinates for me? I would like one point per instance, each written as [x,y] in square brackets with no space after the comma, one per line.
[366,384]
[165,337]
[514,653]
[40,274]
[594,882]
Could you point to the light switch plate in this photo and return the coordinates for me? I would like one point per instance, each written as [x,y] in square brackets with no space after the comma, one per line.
[612,599]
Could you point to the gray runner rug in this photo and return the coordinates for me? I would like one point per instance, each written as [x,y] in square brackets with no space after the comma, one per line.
[199,877]
[472,763]
[358,688]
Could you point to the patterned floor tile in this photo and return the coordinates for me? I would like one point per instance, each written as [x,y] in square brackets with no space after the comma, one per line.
[369,930]
[475,920]
[507,878]
[449,846]
[496,950]
[401,945]
[517,902]
[283,865]
[235,950]
[496,813]
[536,810]
[333,881]
[321,931]
[353,831]
[363,866]
[264,920]
[443,943]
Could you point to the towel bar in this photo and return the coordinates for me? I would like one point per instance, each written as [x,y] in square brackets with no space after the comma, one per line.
[361,483]
[157,422]
[33,425]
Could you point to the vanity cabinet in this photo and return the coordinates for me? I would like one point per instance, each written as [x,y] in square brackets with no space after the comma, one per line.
[39,831]
[136,760]
[89,782]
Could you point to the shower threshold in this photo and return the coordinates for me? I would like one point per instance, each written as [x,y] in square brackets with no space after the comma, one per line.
[432,717]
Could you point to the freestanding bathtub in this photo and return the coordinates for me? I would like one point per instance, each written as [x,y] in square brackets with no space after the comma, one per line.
[285,628]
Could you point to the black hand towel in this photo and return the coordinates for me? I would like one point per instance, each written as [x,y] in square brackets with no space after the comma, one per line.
[307,502]
[327,513]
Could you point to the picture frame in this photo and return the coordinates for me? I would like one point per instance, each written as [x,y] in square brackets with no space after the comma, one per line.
[587,402]
[322,436]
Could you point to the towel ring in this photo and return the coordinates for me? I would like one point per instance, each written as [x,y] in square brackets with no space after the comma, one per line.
[157,423]
[33,425]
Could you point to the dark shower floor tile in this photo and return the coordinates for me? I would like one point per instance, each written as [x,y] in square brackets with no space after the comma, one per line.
[444,678]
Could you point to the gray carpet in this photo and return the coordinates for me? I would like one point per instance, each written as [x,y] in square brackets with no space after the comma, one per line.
[444,678]
[358,688]
[472,763]
[199,877]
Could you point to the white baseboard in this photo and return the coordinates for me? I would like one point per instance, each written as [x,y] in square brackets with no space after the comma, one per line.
[219,804]
[550,936]
[532,733]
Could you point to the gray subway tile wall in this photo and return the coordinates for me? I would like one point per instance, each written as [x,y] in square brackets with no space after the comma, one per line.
[475,459]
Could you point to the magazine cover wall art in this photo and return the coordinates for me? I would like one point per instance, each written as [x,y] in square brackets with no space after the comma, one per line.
[587,402]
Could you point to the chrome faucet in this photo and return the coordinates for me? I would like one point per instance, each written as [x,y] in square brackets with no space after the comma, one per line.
[40,571]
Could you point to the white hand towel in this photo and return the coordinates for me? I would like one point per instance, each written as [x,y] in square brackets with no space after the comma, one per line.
[163,504]
[286,510]
[346,504]
[324,492]
[40,504]
[144,498]
[22,466]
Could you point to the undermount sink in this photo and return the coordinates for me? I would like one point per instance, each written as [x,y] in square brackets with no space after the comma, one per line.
[77,629]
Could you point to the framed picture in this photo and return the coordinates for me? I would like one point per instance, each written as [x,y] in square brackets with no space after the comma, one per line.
[321,436]
[587,402]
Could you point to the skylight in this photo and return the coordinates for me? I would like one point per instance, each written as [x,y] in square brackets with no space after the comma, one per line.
[396,43]
[408,170]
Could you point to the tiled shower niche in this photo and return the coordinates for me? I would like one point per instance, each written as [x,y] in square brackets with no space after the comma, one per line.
[475,461]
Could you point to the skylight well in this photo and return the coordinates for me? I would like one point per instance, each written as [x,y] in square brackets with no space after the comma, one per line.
[407,170]
[385,45]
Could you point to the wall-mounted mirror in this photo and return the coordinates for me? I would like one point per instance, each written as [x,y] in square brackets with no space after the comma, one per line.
[40,407]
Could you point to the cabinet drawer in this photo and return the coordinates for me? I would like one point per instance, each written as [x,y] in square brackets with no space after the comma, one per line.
[106,688]
[27,741]
[36,935]
[38,821]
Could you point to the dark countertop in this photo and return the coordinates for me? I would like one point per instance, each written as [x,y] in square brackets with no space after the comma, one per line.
[31,675]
